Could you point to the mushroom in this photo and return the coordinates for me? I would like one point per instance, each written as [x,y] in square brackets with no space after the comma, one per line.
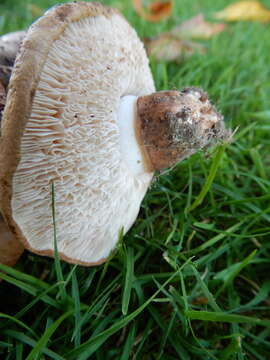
[82,114]
[9,47]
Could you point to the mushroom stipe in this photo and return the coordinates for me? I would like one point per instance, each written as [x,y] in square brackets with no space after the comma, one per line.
[81,112]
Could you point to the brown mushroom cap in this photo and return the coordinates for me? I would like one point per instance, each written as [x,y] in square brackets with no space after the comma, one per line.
[59,125]
[9,47]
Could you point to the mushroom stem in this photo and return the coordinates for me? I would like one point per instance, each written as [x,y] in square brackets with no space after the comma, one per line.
[173,125]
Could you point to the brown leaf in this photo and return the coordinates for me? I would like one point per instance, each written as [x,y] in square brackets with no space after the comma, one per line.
[35,10]
[244,10]
[156,11]
[167,47]
[197,28]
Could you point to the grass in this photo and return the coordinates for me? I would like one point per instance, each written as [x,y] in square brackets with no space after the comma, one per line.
[191,280]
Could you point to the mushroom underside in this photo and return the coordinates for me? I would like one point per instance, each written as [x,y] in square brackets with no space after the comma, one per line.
[71,140]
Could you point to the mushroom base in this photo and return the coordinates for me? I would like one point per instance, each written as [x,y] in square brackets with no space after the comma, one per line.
[175,124]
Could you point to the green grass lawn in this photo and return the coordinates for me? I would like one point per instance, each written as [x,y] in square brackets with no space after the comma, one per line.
[191,279]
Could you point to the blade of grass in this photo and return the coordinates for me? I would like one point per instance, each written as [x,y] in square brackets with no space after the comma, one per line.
[20,323]
[216,238]
[57,264]
[77,307]
[143,338]
[207,293]
[223,317]
[31,290]
[235,270]
[128,280]
[129,343]
[256,157]
[231,349]
[28,341]
[212,173]
[24,277]
[38,348]
[167,333]
[177,345]
[95,306]
[84,351]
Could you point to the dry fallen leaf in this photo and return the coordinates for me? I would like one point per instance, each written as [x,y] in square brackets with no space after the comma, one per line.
[167,47]
[244,10]
[197,28]
[175,45]
[155,12]
[35,10]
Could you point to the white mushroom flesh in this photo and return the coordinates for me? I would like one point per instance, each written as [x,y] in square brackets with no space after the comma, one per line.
[72,139]
[129,146]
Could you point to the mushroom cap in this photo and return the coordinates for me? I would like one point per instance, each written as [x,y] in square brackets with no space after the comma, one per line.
[9,47]
[60,126]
